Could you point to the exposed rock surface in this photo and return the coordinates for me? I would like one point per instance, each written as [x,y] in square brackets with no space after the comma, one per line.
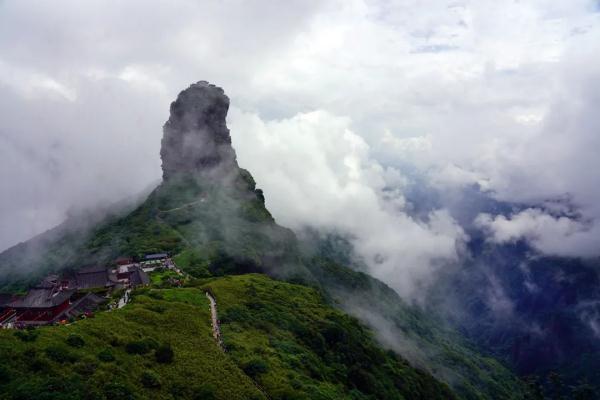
[196,138]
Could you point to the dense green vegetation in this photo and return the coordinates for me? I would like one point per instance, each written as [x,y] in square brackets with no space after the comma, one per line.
[282,341]
[123,352]
[200,218]
[314,352]
[162,276]
[220,228]
[427,342]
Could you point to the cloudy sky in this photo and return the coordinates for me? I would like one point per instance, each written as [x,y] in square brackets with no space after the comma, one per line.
[336,107]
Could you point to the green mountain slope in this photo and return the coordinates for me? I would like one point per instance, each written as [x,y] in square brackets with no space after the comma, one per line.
[205,220]
[49,368]
[282,342]
[217,230]
[211,217]
[425,341]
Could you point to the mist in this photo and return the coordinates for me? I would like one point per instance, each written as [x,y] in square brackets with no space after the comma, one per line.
[338,109]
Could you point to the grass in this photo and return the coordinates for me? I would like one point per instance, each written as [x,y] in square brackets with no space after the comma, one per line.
[160,276]
[283,342]
[295,346]
[279,338]
[428,341]
[179,317]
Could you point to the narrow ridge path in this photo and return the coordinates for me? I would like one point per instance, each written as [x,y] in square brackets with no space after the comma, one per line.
[216,328]
[184,206]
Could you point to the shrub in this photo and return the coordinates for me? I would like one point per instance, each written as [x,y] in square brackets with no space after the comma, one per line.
[152,344]
[60,354]
[118,391]
[238,314]
[142,346]
[74,340]
[136,347]
[28,335]
[37,364]
[229,346]
[255,305]
[164,354]
[30,352]
[179,390]
[116,341]
[334,334]
[205,392]
[86,367]
[255,367]
[4,374]
[155,294]
[362,380]
[157,308]
[106,355]
[28,389]
[150,379]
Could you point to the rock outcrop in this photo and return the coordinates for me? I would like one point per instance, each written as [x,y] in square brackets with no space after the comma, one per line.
[196,138]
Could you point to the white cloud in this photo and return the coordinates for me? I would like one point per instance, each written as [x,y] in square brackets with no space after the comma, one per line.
[144,77]
[318,172]
[503,94]
[549,234]
[34,85]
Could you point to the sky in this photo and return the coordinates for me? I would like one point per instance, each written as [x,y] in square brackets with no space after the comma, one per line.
[335,107]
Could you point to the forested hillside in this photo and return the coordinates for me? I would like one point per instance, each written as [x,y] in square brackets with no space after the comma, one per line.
[281,342]
[210,217]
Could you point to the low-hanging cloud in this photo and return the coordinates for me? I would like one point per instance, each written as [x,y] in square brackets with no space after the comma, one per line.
[549,234]
[332,102]
[318,173]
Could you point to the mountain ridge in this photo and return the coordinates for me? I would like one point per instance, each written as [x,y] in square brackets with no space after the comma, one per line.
[210,216]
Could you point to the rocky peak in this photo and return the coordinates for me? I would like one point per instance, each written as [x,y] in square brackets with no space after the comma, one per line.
[195,137]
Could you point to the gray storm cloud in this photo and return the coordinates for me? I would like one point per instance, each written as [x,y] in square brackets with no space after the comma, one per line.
[331,103]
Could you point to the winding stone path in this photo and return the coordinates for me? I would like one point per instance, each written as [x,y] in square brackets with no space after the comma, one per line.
[216,328]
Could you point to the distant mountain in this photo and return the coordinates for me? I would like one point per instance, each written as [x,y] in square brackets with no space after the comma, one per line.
[539,314]
[208,214]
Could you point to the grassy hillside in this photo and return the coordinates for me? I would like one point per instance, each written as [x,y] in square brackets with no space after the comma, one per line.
[561,309]
[425,341]
[283,342]
[224,225]
[314,352]
[49,368]
[221,227]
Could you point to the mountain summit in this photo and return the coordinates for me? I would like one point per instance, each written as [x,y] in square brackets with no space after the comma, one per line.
[196,138]
[283,340]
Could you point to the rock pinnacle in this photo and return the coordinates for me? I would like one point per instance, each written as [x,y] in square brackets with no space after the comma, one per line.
[195,137]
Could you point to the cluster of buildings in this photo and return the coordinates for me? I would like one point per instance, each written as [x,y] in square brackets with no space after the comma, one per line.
[59,299]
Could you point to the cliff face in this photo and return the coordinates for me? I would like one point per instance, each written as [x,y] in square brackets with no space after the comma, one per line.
[196,138]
